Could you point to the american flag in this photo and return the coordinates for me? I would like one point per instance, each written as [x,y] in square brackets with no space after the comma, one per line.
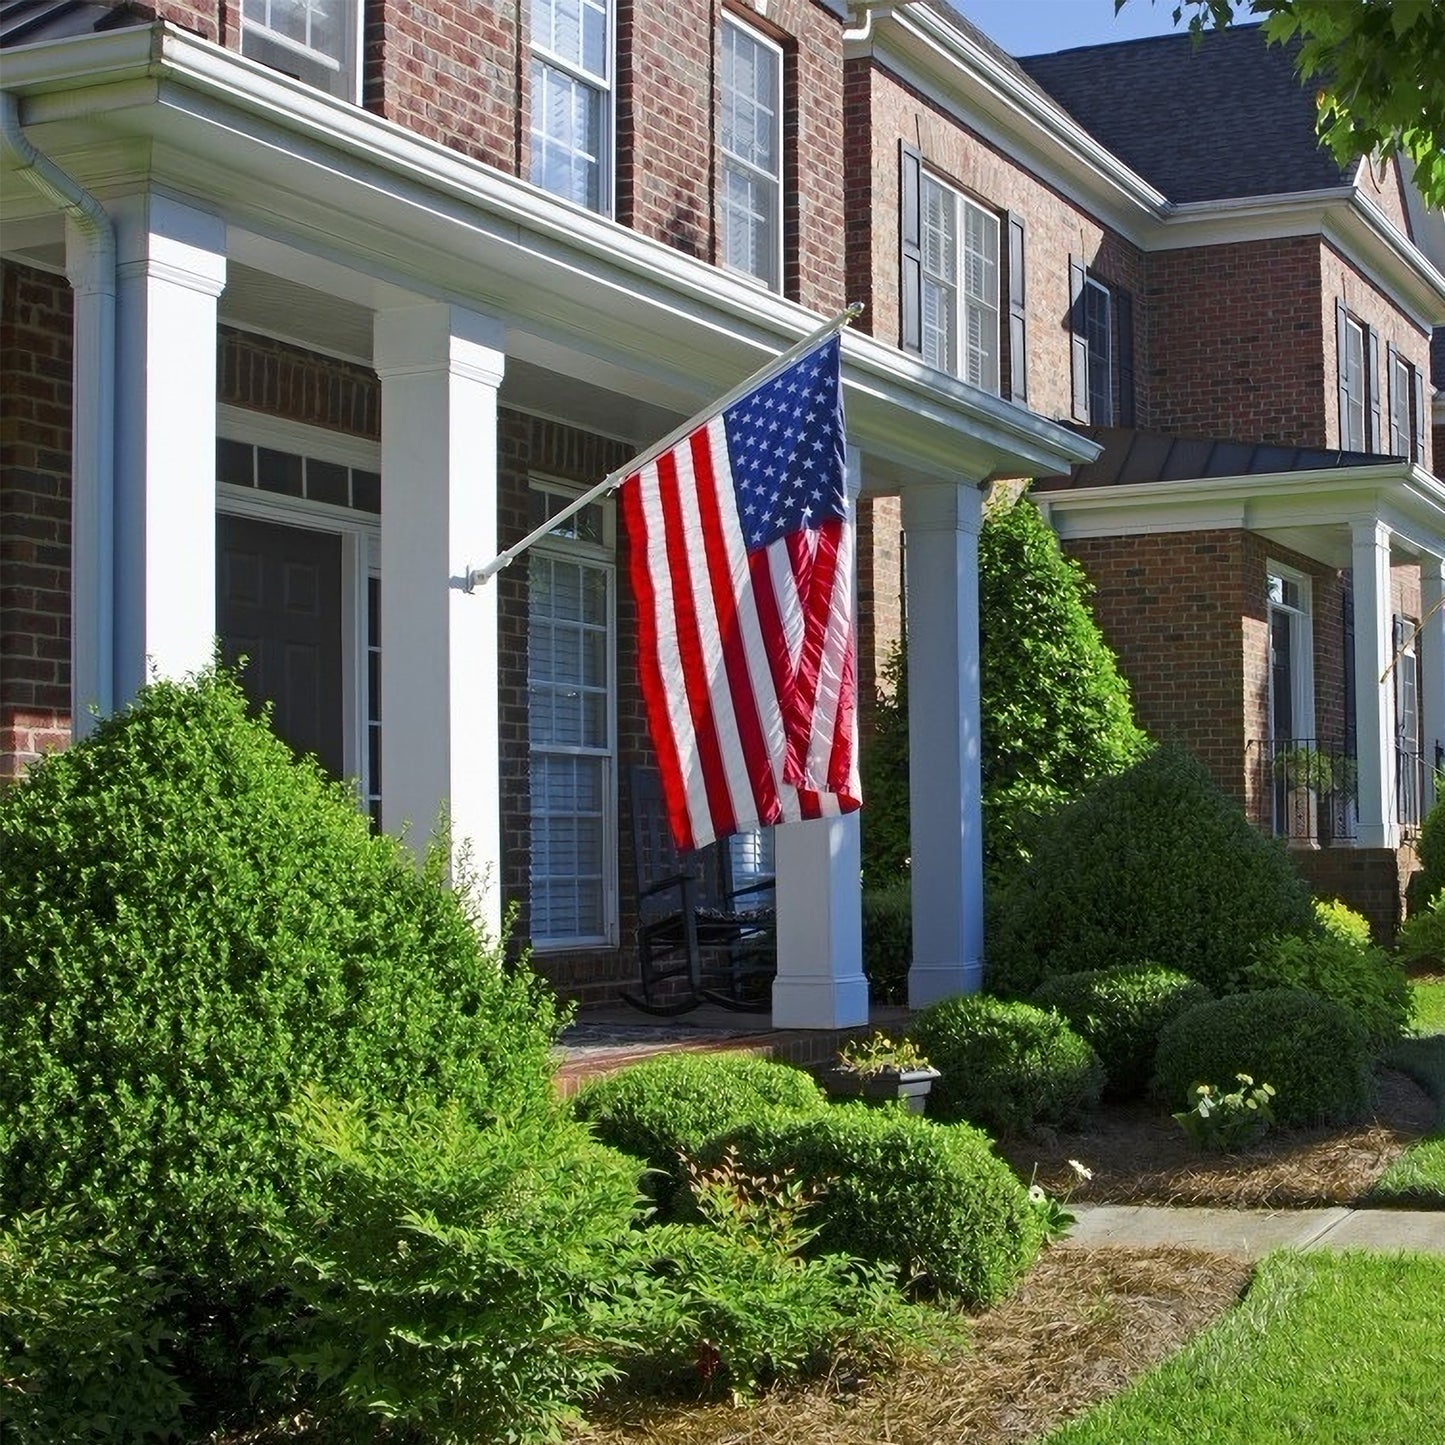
[742,569]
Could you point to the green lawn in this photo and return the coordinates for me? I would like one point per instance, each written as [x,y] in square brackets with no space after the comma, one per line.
[1418,1176]
[1345,1348]
[1430,1006]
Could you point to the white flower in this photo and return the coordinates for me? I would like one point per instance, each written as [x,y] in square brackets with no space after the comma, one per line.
[1037,1195]
[1082,1170]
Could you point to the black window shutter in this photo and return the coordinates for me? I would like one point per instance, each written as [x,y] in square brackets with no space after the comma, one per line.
[1372,389]
[910,222]
[1078,340]
[1393,401]
[1417,419]
[1342,353]
[1018,388]
[1124,348]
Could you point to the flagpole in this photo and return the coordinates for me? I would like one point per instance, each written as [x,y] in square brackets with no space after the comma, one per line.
[615,479]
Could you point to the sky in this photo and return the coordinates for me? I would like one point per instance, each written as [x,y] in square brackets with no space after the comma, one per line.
[1029,27]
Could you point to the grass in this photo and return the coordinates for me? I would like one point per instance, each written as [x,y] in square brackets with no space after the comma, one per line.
[1417,1177]
[1348,1348]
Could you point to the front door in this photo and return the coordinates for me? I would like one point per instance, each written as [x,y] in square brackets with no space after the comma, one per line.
[278,604]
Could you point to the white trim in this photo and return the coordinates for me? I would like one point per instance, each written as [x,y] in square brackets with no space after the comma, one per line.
[258,428]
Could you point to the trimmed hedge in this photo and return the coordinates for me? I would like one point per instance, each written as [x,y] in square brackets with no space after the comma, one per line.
[1005,1066]
[933,1200]
[674,1105]
[1120,1013]
[1154,865]
[1313,1052]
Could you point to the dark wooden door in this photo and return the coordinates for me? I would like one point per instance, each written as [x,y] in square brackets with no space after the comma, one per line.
[278,604]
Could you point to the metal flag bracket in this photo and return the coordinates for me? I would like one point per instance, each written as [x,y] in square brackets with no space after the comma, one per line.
[613,480]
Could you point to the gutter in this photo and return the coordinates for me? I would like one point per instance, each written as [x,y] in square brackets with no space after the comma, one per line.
[91,270]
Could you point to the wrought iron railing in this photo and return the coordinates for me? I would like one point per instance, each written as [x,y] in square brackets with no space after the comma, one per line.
[1409,787]
[1304,789]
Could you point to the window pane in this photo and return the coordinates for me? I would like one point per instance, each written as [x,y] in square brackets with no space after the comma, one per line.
[566,136]
[751,142]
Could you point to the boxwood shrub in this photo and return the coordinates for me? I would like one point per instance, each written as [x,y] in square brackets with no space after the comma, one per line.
[1361,978]
[1006,1066]
[195,927]
[1120,1012]
[1153,865]
[664,1108]
[1314,1053]
[888,941]
[932,1199]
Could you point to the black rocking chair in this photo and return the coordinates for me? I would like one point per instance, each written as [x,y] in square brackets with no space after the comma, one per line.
[701,936]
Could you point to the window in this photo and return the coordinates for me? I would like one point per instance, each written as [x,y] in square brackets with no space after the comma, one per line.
[317,41]
[1407,409]
[1092,345]
[1358,354]
[1409,761]
[950,281]
[571,703]
[1291,688]
[571,76]
[751,145]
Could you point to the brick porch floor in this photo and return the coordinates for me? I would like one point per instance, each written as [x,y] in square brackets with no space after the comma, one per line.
[603,1040]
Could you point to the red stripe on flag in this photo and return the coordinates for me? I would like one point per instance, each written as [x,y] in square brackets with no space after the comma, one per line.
[817,608]
[690,648]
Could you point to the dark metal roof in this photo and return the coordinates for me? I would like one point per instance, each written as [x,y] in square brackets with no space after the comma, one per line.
[24,22]
[1131,455]
[1221,119]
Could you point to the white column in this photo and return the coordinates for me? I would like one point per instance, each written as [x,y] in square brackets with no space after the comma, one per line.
[171,268]
[941,524]
[1373,733]
[90,261]
[820,982]
[440,367]
[1432,666]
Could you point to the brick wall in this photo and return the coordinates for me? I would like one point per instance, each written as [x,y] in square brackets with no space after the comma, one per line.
[880,597]
[35,395]
[448,70]
[1235,344]
[298,385]
[889,111]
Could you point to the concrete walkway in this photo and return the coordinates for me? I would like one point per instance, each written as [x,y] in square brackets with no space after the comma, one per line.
[1255,1232]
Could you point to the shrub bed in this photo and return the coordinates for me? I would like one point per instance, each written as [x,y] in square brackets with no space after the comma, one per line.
[674,1105]
[888,941]
[1120,1012]
[1314,1053]
[1155,864]
[934,1200]
[1006,1066]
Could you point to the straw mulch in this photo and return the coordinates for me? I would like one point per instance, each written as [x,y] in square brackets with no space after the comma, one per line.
[1083,1324]
[1139,1155]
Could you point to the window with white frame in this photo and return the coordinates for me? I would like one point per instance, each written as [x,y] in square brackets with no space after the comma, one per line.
[317,41]
[1407,409]
[571,77]
[959,245]
[1098,337]
[571,705]
[751,147]
[1291,693]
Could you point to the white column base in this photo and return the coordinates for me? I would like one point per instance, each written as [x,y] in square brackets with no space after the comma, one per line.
[820,982]
[929,982]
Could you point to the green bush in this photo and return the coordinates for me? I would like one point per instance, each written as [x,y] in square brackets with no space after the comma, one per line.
[884,827]
[1119,1012]
[674,1105]
[934,1200]
[452,1275]
[1341,921]
[195,927]
[1055,710]
[1361,978]
[1423,936]
[1004,1066]
[82,1345]
[888,942]
[733,1302]
[1429,880]
[1154,864]
[1313,1052]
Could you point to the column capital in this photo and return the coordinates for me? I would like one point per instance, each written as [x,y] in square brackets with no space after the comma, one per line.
[161,238]
[942,506]
[1370,532]
[436,336]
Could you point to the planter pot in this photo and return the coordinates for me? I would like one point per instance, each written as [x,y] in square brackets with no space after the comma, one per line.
[883,1086]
